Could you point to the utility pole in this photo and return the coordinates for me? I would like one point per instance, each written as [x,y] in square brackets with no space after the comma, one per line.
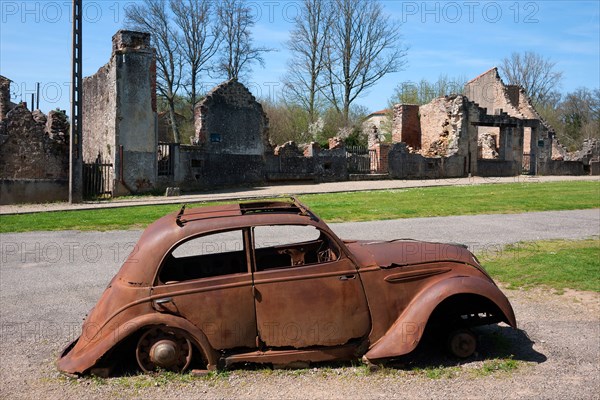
[75,153]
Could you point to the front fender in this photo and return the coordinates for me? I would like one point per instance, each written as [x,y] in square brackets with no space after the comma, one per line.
[78,362]
[406,332]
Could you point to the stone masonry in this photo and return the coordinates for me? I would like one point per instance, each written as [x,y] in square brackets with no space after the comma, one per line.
[28,152]
[540,146]
[119,114]
[5,103]
[229,120]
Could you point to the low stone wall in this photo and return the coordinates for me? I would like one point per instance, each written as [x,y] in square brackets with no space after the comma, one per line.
[289,168]
[497,168]
[331,165]
[18,191]
[555,167]
[198,170]
[405,165]
[322,166]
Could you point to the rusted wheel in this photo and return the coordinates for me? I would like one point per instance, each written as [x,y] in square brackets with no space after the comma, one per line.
[163,348]
[462,343]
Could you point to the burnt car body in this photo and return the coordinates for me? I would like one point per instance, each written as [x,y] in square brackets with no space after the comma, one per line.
[222,283]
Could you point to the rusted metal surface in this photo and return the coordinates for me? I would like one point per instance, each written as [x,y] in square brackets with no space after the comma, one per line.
[315,300]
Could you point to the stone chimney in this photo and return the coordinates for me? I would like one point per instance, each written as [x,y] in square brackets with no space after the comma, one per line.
[130,40]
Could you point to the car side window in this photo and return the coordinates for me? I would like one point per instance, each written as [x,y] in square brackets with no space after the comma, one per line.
[205,256]
[285,246]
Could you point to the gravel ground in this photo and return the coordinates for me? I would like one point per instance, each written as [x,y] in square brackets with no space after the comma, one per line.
[49,280]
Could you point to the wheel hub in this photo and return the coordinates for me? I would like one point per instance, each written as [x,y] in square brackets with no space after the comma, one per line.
[463,344]
[164,353]
[163,348]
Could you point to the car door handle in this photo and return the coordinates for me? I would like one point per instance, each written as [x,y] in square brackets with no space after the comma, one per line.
[347,277]
[164,300]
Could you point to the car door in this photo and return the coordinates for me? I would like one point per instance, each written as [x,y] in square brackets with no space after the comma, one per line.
[207,281]
[307,292]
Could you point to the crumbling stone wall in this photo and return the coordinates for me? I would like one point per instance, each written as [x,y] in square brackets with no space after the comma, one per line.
[455,127]
[34,163]
[441,126]
[559,152]
[288,149]
[119,114]
[5,103]
[58,126]
[28,152]
[405,164]
[99,115]
[290,163]
[590,151]
[540,144]
[229,120]
[489,92]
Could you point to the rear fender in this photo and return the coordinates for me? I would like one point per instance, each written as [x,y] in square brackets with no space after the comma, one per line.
[83,360]
[406,332]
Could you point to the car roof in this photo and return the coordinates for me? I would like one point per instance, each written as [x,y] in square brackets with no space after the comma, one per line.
[264,208]
[164,233]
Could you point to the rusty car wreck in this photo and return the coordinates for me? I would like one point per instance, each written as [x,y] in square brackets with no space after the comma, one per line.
[269,282]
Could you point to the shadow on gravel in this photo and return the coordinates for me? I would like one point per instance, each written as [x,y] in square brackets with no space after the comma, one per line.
[494,341]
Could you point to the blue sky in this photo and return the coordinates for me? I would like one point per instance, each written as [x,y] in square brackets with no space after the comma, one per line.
[456,38]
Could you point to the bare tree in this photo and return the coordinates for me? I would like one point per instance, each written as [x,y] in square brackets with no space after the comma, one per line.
[365,46]
[199,38]
[153,17]
[580,117]
[533,72]
[238,50]
[308,43]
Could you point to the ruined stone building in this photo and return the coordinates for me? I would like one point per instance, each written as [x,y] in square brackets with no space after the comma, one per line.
[540,145]
[230,144]
[33,152]
[434,140]
[229,120]
[490,130]
[119,115]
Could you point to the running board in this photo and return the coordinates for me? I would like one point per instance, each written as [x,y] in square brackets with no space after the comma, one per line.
[285,357]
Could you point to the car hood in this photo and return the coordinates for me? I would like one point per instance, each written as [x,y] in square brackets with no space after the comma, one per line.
[407,252]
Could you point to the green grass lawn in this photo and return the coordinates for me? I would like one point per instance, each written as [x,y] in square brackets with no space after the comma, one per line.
[557,264]
[352,206]
[454,200]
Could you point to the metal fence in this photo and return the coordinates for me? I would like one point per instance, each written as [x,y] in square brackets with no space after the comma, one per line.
[526,164]
[165,153]
[96,180]
[361,160]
